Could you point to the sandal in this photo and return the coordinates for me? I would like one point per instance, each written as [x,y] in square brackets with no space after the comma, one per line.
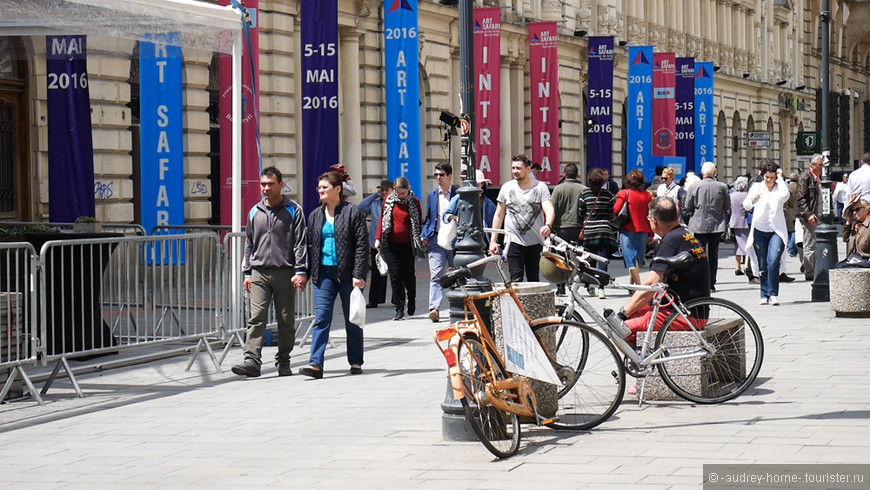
[311,371]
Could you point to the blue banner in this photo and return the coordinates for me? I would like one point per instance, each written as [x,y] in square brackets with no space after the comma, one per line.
[319,32]
[402,91]
[70,147]
[600,103]
[160,121]
[638,111]
[704,112]
[685,112]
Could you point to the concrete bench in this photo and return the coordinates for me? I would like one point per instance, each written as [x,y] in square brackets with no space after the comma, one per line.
[850,292]
[693,370]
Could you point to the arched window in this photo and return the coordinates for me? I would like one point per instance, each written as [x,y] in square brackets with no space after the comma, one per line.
[14,163]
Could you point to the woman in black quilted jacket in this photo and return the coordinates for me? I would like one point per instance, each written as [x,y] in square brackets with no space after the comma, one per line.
[338,248]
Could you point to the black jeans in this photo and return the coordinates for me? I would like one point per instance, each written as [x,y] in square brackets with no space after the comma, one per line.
[400,262]
[524,259]
[710,241]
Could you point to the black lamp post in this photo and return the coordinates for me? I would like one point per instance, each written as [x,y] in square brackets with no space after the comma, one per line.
[470,240]
[826,232]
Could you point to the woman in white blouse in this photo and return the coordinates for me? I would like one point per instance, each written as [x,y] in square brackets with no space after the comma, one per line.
[768,234]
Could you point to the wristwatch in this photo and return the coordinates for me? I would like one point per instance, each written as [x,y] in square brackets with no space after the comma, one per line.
[621,314]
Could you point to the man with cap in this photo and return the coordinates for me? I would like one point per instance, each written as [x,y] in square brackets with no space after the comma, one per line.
[372,206]
[439,259]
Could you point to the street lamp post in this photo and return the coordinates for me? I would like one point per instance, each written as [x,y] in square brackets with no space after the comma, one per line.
[826,232]
[470,240]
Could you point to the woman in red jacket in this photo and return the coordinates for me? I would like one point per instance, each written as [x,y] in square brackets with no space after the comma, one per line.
[636,233]
[398,239]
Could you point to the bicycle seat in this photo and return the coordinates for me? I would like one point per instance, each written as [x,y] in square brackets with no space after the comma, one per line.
[676,262]
[453,276]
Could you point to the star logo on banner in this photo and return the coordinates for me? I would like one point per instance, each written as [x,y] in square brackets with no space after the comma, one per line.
[401,4]
[701,73]
[640,58]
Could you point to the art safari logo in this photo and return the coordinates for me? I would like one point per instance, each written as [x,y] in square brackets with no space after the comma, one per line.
[545,39]
[400,4]
[602,52]
[487,24]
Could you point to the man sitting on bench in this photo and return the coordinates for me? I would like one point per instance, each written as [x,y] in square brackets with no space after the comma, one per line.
[689,282]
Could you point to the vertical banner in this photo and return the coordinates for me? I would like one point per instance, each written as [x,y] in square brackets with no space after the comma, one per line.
[638,111]
[70,147]
[544,88]
[250,184]
[402,91]
[487,72]
[664,114]
[600,103]
[704,112]
[685,112]
[319,26]
[161,144]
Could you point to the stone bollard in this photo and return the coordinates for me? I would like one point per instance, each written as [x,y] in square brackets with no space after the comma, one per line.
[850,292]
[539,300]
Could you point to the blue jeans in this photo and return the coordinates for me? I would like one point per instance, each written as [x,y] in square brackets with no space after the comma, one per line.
[768,249]
[439,261]
[325,293]
[792,245]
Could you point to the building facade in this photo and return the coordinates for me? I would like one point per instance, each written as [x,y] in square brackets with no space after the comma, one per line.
[766,54]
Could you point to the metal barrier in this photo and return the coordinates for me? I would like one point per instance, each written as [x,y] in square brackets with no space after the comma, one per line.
[18,336]
[92,296]
[102,295]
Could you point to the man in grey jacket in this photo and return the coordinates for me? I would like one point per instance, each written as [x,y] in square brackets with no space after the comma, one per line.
[709,206]
[276,260]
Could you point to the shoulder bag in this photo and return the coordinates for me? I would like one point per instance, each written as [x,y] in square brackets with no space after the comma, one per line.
[622,216]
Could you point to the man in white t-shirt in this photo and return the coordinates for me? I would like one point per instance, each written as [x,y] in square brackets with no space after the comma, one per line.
[859,180]
[841,195]
[525,209]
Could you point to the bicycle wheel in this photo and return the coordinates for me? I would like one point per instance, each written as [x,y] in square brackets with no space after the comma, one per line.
[729,369]
[498,430]
[591,370]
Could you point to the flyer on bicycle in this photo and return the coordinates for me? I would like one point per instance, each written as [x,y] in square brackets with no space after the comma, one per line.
[523,353]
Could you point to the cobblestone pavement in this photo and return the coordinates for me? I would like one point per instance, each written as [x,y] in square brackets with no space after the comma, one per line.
[157,425]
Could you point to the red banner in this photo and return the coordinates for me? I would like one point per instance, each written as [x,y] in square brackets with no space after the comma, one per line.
[544,88]
[487,73]
[250,160]
[664,116]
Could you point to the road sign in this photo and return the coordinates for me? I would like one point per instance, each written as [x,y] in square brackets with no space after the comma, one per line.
[758,139]
[808,142]
[464,126]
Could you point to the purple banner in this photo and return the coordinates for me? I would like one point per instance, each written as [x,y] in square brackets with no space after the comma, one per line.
[70,147]
[685,111]
[600,103]
[319,26]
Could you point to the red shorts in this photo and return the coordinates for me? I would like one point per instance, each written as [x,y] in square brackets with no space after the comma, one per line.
[638,321]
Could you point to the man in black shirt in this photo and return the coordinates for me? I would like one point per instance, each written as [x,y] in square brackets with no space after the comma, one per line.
[690,282]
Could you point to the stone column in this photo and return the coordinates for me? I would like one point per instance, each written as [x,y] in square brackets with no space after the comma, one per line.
[349,115]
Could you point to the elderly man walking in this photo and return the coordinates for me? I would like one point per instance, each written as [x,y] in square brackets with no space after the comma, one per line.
[709,208]
[809,190]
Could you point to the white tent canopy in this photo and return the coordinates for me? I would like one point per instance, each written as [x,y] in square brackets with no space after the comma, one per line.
[199,25]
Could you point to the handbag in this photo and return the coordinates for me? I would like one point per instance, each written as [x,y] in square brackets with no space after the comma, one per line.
[447,233]
[381,263]
[357,310]
[622,216]
[588,215]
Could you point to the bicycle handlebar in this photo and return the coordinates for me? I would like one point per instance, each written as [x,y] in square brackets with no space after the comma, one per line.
[577,249]
[497,257]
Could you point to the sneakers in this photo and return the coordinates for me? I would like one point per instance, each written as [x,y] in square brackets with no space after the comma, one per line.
[284,369]
[773,300]
[763,302]
[434,315]
[248,368]
[311,371]
[601,294]
[591,292]
[785,278]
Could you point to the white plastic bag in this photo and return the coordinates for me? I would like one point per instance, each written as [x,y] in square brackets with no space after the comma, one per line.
[357,308]
[381,263]
[447,233]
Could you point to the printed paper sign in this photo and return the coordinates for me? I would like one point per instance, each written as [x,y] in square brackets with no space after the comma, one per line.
[523,353]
